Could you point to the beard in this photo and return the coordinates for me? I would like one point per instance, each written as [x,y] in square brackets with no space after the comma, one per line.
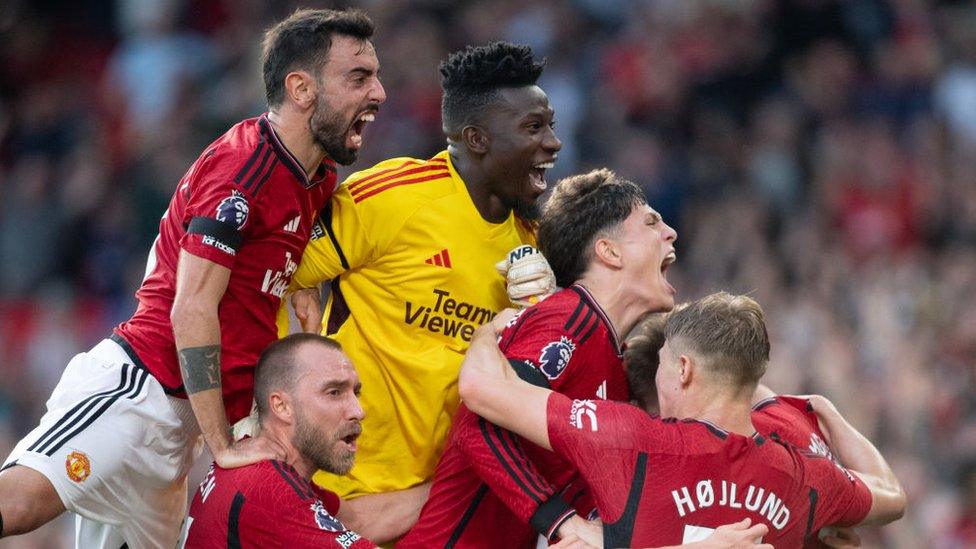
[329,131]
[325,452]
[528,210]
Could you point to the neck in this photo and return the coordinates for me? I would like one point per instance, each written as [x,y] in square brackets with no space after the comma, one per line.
[292,129]
[478,183]
[617,302]
[293,457]
[728,410]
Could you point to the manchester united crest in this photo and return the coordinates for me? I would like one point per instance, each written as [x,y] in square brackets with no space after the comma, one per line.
[78,466]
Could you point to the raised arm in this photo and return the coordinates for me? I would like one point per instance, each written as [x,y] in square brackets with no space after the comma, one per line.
[200,284]
[857,454]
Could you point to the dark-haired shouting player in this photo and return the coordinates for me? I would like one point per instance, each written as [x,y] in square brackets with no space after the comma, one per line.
[610,250]
[410,247]
[666,481]
[119,433]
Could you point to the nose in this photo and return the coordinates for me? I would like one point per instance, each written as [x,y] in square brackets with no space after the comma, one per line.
[552,143]
[355,410]
[670,235]
[377,94]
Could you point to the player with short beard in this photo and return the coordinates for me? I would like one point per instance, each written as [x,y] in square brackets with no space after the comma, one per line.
[124,424]
[410,246]
[307,395]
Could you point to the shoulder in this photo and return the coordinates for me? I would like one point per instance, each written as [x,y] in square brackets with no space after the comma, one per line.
[271,483]
[233,155]
[566,314]
[400,182]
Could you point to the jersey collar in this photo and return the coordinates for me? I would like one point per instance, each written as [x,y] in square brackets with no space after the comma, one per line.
[326,172]
[586,295]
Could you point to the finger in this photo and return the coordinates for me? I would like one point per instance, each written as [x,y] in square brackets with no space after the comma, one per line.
[759,529]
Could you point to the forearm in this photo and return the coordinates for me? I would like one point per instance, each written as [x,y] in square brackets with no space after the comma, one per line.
[197,336]
[852,449]
[858,454]
[382,518]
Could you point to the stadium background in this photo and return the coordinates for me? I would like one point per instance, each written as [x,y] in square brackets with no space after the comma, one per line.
[818,154]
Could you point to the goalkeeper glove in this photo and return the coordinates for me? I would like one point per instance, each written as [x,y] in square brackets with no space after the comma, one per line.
[528,276]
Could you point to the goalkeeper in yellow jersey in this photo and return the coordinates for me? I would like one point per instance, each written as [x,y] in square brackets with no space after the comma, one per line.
[410,248]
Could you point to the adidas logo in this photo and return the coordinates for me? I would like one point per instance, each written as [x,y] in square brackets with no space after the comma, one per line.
[292,225]
[441,259]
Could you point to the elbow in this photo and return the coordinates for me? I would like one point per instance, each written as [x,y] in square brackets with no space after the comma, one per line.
[185,315]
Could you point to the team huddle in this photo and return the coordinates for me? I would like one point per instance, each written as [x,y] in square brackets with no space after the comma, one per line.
[418,408]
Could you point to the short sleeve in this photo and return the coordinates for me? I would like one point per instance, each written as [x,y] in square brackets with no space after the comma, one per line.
[340,241]
[217,215]
[582,430]
[837,497]
[537,338]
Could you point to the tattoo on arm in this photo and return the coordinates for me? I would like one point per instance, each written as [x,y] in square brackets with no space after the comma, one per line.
[201,368]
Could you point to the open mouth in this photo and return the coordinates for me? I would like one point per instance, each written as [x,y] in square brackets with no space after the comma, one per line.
[358,125]
[350,441]
[668,260]
[538,175]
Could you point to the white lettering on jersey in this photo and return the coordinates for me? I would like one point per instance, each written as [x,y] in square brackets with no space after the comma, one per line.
[581,409]
[757,500]
[276,282]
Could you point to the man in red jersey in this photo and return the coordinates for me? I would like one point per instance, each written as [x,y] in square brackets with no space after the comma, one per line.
[307,392]
[790,419]
[119,433]
[610,250]
[666,481]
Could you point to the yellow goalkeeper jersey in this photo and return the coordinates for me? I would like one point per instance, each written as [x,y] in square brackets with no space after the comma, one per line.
[412,267]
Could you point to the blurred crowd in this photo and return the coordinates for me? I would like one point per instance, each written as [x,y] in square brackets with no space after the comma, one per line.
[818,154]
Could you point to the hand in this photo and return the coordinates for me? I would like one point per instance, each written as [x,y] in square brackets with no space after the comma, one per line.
[529,279]
[501,320]
[308,310]
[248,451]
[572,541]
[841,538]
[738,535]
[589,532]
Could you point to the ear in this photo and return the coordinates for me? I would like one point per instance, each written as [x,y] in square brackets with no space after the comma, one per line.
[476,139]
[281,406]
[606,251]
[686,370]
[300,89]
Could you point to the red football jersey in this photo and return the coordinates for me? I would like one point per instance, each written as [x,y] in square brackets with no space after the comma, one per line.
[266,504]
[247,205]
[792,420]
[490,484]
[667,482]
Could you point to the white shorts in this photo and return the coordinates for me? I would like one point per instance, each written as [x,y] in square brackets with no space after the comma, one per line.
[117,450]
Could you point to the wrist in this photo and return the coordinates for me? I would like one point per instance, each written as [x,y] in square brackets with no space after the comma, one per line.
[554,517]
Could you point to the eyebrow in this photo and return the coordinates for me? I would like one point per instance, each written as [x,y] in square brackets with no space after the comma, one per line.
[363,70]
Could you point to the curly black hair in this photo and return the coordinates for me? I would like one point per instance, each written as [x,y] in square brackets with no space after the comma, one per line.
[471,78]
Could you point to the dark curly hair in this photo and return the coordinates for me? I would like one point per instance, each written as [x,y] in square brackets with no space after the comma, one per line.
[471,79]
